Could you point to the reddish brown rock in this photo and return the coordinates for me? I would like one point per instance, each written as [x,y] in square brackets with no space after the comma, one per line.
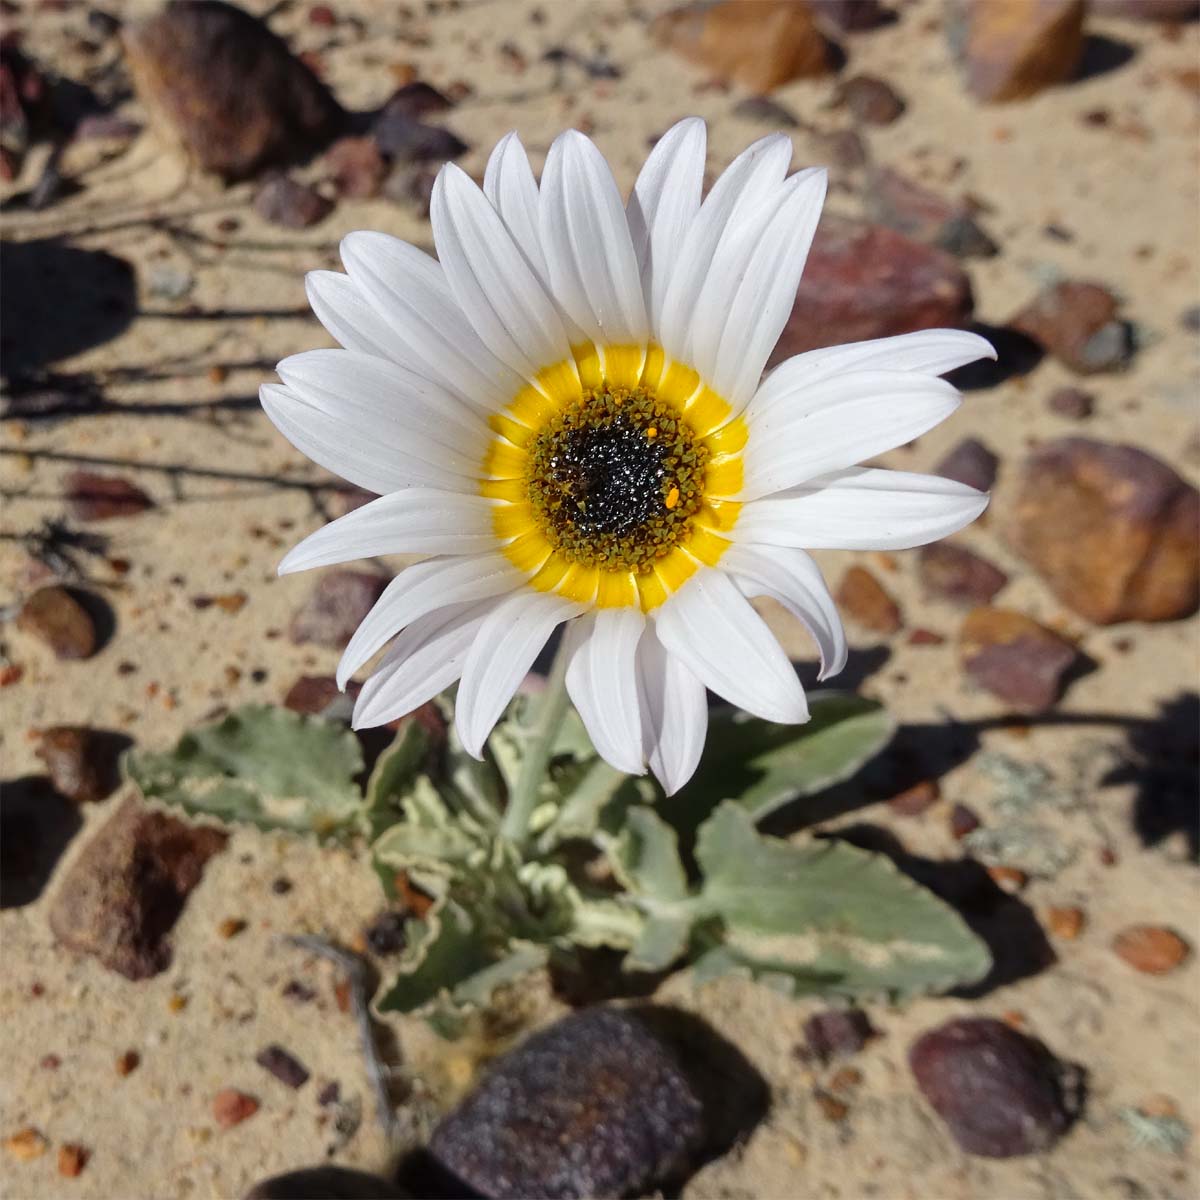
[760,46]
[1077,322]
[899,203]
[93,497]
[223,85]
[416,99]
[123,894]
[1151,949]
[1065,923]
[313,694]
[952,572]
[865,600]
[336,607]
[283,201]
[837,1033]
[357,167]
[1015,48]
[81,762]
[55,617]
[970,463]
[851,16]
[913,801]
[870,100]
[1015,658]
[231,1107]
[841,149]
[1148,10]
[1111,529]
[1072,403]
[865,281]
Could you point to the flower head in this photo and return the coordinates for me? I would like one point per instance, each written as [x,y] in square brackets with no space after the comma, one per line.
[565,417]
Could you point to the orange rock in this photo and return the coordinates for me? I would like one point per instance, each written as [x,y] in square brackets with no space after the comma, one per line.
[761,45]
[1151,949]
[231,1107]
[71,1159]
[26,1144]
[915,800]
[1011,879]
[1015,48]
[1065,923]
[1014,658]
[866,601]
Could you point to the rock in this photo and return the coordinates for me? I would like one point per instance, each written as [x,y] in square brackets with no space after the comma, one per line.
[905,206]
[417,99]
[284,1066]
[1111,529]
[760,46]
[999,1093]
[970,463]
[1077,323]
[595,1105]
[231,1107]
[1073,403]
[867,602]
[852,16]
[167,281]
[26,1144]
[1148,10]
[1189,319]
[315,694]
[837,1033]
[358,167]
[405,139]
[231,92]
[55,616]
[952,572]
[1151,949]
[913,801]
[335,608]
[386,934]
[842,149]
[1065,923]
[963,821]
[1015,658]
[325,1183]
[765,111]
[283,201]
[106,126]
[121,896]
[1015,48]
[864,281]
[72,1158]
[82,763]
[93,497]
[870,100]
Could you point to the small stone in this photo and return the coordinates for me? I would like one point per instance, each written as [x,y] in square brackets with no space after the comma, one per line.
[963,821]
[851,16]
[765,111]
[127,1063]
[283,201]
[325,1183]
[832,1109]
[1016,659]
[177,1002]
[761,46]
[1077,322]
[1008,879]
[358,167]
[954,573]
[55,617]
[1147,10]
[842,149]
[167,281]
[867,603]
[1015,48]
[865,281]
[26,1144]
[1111,529]
[121,896]
[331,1093]
[231,1107]
[925,637]
[1073,403]
[870,100]
[230,927]
[1189,319]
[72,1158]
[907,207]
[1151,949]
[998,1092]
[417,99]
[93,497]
[82,763]
[386,935]
[837,1033]
[970,463]
[314,695]
[284,1066]
[915,800]
[335,608]
[1065,923]
[402,138]
[595,1105]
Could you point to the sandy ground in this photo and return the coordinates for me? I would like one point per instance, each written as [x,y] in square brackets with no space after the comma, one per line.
[1128,195]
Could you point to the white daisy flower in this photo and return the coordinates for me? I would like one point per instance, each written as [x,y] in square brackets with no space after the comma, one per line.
[564,417]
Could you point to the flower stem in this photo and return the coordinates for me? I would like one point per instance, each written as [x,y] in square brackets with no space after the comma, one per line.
[552,707]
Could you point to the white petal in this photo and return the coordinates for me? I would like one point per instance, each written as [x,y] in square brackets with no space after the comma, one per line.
[750,291]
[353,447]
[744,184]
[674,710]
[509,184]
[593,268]
[504,649]
[792,578]
[430,333]
[413,521]
[711,626]
[840,422]
[602,684]
[863,508]
[349,316]
[928,352]
[663,204]
[424,660]
[490,278]
[419,590]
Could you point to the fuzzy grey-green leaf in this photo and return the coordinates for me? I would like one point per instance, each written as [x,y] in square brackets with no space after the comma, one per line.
[646,857]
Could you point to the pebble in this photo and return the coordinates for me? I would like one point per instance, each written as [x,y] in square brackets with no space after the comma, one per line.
[314,694]
[963,820]
[386,934]
[998,1092]
[417,99]
[915,800]
[1111,529]
[843,149]
[82,763]
[231,1107]
[765,111]
[852,16]
[1065,923]
[284,201]
[357,167]
[870,100]
[404,139]
[970,463]
[925,637]
[127,1063]
[325,1183]
[1151,949]
[1148,10]
[54,616]
[1015,48]
[336,607]
[899,203]
[122,894]
[867,602]
[837,1033]
[595,1105]
[1077,323]
[72,1158]
[1072,403]
[1015,658]
[954,573]
[26,1144]
[284,1066]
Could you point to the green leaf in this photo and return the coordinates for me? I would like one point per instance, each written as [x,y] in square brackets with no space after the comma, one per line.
[646,857]
[663,940]
[835,914]
[393,776]
[263,766]
[765,766]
